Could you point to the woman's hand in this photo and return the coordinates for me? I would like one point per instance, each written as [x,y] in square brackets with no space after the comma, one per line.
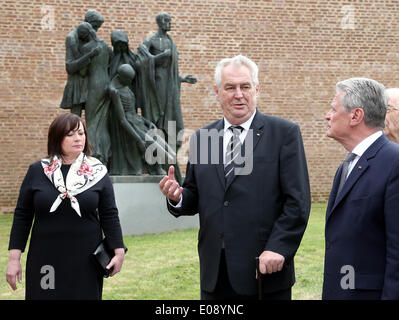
[14,269]
[117,261]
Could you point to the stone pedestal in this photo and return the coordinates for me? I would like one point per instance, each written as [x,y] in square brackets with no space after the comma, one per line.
[142,207]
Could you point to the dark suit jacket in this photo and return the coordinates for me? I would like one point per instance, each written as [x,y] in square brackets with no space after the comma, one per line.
[265,210]
[362,227]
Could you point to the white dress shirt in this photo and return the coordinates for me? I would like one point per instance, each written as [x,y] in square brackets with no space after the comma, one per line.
[228,133]
[226,139]
[361,148]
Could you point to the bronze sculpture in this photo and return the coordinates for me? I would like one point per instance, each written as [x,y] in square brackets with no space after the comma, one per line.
[165,106]
[75,92]
[152,84]
[134,134]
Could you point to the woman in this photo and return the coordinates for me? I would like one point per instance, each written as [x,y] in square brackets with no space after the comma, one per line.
[71,198]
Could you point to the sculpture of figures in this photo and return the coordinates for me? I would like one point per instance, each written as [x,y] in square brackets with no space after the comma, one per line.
[136,133]
[87,61]
[90,65]
[75,92]
[165,81]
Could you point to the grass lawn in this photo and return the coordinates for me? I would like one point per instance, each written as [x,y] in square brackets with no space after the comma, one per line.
[165,266]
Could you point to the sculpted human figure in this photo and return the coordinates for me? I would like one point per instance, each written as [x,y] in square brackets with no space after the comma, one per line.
[163,91]
[87,65]
[121,52]
[130,154]
[97,104]
[124,160]
[75,92]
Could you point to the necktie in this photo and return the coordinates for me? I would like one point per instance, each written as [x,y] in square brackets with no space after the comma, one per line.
[232,151]
[349,157]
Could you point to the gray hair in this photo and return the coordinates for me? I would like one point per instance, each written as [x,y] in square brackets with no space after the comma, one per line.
[367,94]
[393,93]
[239,61]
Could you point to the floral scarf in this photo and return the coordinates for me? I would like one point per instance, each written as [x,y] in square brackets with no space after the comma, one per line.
[84,173]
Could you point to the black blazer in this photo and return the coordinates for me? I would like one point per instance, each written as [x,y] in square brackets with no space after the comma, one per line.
[267,209]
[362,228]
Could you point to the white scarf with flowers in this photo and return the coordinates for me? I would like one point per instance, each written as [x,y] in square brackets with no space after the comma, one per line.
[84,173]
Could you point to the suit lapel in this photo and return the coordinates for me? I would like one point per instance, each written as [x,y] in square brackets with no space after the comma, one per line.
[333,193]
[359,169]
[220,166]
[256,130]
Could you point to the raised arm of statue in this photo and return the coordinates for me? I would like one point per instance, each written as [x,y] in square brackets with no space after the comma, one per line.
[71,46]
[85,38]
[189,79]
[158,58]
[76,65]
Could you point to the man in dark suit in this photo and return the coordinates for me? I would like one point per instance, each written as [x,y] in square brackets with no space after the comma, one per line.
[251,205]
[362,220]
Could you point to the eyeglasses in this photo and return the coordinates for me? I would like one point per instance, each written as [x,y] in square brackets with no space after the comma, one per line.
[389,109]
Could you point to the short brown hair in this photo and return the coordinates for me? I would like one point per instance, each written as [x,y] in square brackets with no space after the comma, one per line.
[59,128]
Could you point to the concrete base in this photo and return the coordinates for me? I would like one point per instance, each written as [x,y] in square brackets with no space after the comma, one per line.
[142,207]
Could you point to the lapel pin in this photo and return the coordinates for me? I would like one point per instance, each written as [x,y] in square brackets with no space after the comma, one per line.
[360,167]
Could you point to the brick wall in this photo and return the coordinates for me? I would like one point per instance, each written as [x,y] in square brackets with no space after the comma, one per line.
[302,48]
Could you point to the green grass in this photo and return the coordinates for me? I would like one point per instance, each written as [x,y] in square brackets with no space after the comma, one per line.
[309,260]
[5,290]
[165,266]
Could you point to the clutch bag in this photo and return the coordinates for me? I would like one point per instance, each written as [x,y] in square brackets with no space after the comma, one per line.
[102,256]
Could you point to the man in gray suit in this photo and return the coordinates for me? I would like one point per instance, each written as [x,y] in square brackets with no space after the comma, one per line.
[247,178]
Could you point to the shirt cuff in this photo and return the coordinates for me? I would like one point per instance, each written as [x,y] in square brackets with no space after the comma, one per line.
[178,205]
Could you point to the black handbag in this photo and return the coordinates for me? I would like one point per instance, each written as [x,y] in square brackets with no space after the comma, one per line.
[102,257]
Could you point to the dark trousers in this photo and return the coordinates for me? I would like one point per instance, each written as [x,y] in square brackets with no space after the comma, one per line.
[224,291]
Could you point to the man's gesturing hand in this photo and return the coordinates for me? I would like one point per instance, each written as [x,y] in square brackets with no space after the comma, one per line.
[169,186]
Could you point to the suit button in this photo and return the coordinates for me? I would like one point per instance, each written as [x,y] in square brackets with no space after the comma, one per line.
[221,235]
[226,203]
